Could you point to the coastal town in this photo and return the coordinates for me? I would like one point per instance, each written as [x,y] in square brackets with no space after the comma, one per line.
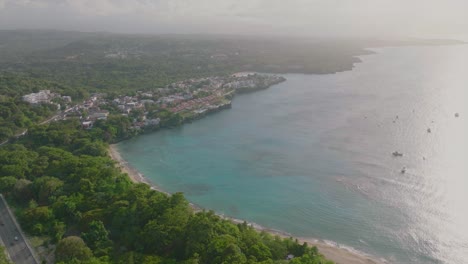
[182,101]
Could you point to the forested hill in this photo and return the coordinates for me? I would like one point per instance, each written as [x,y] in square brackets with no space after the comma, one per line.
[67,192]
[15,114]
[77,64]
[103,61]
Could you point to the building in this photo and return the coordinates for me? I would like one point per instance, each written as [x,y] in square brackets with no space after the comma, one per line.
[242,74]
[152,122]
[147,101]
[87,124]
[147,94]
[43,96]
[98,115]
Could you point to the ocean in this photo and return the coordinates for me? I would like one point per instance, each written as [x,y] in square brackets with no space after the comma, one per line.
[313,156]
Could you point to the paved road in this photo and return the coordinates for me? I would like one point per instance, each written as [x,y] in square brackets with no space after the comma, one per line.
[50,119]
[61,115]
[19,250]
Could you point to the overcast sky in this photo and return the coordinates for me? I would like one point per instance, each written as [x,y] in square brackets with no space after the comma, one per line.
[414,18]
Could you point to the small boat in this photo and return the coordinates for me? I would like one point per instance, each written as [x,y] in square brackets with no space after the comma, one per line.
[403,170]
[397,154]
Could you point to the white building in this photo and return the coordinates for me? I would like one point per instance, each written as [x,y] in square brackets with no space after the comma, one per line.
[152,122]
[43,96]
[98,115]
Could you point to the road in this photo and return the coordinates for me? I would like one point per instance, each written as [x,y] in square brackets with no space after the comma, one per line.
[19,250]
[53,118]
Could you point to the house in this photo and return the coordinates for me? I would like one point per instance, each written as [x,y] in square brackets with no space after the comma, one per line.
[88,104]
[147,101]
[147,94]
[67,99]
[43,96]
[87,124]
[242,74]
[152,122]
[124,109]
[98,115]
[131,104]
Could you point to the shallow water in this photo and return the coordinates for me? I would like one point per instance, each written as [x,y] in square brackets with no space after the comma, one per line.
[312,156]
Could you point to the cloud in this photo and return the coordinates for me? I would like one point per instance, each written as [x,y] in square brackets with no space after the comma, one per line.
[109,7]
[315,17]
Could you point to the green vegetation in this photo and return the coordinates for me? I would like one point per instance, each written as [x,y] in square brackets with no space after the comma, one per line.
[77,64]
[103,62]
[67,191]
[15,115]
[3,257]
[65,187]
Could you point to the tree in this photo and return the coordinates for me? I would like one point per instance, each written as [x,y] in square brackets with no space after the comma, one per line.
[58,230]
[97,237]
[5,133]
[65,207]
[22,190]
[7,184]
[87,147]
[260,252]
[72,248]
[46,187]
[223,249]
[37,219]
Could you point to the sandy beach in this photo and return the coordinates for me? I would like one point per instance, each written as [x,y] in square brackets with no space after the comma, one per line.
[340,255]
[134,175]
[335,253]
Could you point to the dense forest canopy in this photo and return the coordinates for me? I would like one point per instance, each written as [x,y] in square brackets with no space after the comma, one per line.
[103,61]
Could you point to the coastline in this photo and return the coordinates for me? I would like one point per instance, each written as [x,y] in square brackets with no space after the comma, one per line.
[336,253]
[134,175]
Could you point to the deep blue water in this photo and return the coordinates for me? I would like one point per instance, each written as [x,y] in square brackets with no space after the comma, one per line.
[312,156]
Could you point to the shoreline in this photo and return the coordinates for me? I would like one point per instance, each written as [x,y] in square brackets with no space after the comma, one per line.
[331,250]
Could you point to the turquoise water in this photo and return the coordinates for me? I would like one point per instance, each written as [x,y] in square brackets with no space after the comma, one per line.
[312,156]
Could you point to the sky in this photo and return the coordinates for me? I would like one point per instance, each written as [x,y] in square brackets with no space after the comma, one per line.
[341,18]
